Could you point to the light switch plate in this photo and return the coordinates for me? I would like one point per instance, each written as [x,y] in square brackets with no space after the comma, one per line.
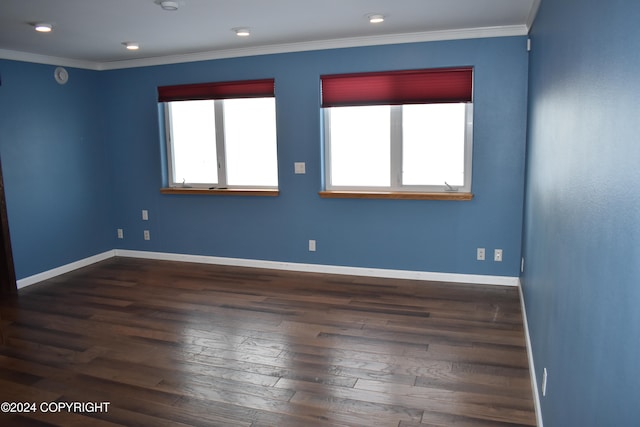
[299,168]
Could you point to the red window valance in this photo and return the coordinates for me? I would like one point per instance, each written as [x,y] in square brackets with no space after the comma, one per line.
[398,87]
[221,90]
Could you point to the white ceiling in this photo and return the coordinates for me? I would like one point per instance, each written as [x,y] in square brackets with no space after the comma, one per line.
[90,33]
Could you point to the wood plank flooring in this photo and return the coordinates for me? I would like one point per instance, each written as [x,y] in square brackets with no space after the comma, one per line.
[179,344]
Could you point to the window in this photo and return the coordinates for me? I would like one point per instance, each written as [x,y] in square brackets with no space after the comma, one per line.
[406,131]
[221,135]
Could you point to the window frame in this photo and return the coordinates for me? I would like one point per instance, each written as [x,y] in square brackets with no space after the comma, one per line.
[217,92]
[396,152]
[398,88]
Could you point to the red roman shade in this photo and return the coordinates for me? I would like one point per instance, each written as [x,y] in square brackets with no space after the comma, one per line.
[222,90]
[398,87]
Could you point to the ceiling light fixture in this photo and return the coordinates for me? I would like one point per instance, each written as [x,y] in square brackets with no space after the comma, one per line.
[168,5]
[131,45]
[43,27]
[242,32]
[375,18]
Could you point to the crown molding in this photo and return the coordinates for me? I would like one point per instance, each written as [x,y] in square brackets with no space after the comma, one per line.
[460,34]
[48,60]
[470,33]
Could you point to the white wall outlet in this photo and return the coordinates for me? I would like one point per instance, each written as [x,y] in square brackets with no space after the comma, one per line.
[544,382]
[497,255]
[120,233]
[147,235]
[300,168]
[480,254]
[145,215]
[312,245]
[522,265]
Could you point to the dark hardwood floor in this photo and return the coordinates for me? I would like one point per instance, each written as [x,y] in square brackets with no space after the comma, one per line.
[178,344]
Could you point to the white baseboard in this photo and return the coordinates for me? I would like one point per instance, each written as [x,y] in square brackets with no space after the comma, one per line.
[532,368]
[328,269]
[276,265]
[27,281]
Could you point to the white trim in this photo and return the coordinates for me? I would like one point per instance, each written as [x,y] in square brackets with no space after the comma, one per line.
[476,279]
[48,60]
[28,281]
[532,369]
[460,34]
[328,269]
[468,33]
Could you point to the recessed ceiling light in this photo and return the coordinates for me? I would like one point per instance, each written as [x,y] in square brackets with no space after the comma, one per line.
[375,18]
[131,45]
[242,32]
[43,27]
[168,5]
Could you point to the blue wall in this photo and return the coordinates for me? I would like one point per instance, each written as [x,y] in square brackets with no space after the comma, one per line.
[439,236]
[84,159]
[55,166]
[582,227]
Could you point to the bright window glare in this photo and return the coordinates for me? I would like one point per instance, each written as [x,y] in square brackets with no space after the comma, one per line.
[360,150]
[194,142]
[433,144]
[250,141]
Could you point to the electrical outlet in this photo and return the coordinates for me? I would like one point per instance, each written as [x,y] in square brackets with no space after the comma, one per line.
[497,255]
[522,265]
[147,235]
[312,245]
[480,254]
[120,233]
[145,215]
[544,382]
